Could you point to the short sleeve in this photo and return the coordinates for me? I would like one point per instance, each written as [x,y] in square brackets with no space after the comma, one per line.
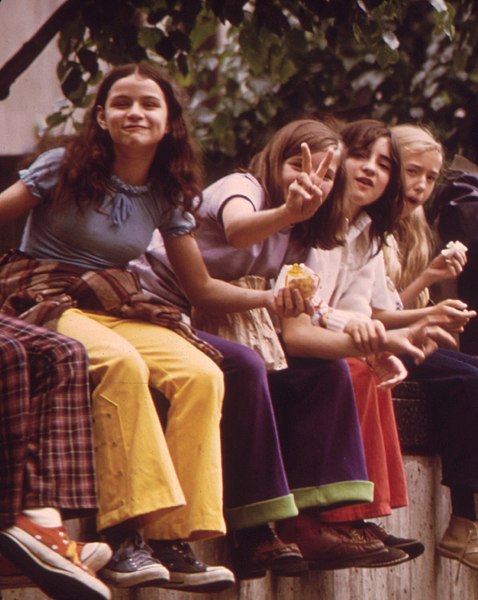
[176,223]
[236,185]
[42,175]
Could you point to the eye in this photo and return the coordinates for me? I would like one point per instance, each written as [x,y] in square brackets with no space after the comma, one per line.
[295,165]
[359,154]
[120,104]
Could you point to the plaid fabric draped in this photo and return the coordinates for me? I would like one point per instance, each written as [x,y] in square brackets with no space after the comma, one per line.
[40,291]
[46,450]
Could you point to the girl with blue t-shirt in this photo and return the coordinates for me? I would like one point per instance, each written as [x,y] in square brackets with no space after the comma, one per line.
[93,205]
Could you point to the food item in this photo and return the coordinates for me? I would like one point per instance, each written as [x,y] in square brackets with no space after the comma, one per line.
[452,247]
[301,278]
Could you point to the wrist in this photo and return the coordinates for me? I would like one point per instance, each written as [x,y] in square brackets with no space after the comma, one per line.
[426,279]
[328,318]
[285,216]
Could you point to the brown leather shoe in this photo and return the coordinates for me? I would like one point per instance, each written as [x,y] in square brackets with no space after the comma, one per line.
[259,549]
[337,546]
[411,546]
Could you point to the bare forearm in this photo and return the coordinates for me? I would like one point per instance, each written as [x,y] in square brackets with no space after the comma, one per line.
[393,319]
[410,293]
[254,227]
[302,339]
[220,296]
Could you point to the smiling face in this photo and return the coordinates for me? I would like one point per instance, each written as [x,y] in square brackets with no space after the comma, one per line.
[135,113]
[421,170]
[292,167]
[367,174]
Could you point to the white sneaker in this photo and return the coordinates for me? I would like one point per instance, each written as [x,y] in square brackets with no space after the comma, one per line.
[133,565]
[51,560]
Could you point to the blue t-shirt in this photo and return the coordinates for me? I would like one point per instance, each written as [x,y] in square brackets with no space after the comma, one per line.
[95,237]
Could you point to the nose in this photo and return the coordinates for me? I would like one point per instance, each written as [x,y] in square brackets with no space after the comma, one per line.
[369,167]
[420,184]
[135,111]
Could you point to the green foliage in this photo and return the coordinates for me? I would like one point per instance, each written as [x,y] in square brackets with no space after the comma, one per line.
[249,67]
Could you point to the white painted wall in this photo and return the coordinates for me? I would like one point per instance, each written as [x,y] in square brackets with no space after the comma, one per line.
[33,94]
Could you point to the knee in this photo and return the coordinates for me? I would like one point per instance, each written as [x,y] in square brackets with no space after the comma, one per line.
[205,371]
[12,351]
[245,362]
[124,364]
[205,383]
[64,349]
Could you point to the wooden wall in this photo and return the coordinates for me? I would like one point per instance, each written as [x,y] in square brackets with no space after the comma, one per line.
[428,577]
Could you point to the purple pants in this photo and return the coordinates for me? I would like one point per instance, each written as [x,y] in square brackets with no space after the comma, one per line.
[316,439]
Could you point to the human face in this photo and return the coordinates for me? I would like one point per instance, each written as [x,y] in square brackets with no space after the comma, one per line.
[367,175]
[420,172]
[292,167]
[135,113]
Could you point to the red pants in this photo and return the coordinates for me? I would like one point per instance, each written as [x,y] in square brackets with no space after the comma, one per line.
[382,448]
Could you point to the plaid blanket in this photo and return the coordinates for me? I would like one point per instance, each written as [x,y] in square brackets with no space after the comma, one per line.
[39,292]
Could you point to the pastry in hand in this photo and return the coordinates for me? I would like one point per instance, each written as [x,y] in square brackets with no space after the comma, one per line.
[452,247]
[302,278]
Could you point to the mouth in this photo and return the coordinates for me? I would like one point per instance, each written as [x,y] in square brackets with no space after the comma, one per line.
[364,181]
[413,201]
[133,127]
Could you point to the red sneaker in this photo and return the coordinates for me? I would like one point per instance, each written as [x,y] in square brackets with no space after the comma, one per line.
[94,555]
[50,559]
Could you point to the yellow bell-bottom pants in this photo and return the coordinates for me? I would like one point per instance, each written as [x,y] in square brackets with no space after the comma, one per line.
[171,480]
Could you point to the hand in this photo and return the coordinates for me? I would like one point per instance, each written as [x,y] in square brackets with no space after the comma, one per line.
[456,311]
[368,335]
[305,196]
[442,268]
[420,339]
[289,303]
[388,368]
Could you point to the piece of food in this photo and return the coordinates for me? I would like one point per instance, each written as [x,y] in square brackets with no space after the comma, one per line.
[452,247]
[301,278]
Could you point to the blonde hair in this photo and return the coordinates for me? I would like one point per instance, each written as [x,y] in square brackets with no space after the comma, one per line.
[416,138]
[409,254]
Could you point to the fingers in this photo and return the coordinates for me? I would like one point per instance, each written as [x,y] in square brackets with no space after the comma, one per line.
[367,337]
[305,187]
[324,165]
[388,384]
[306,158]
[290,304]
[456,264]
[439,336]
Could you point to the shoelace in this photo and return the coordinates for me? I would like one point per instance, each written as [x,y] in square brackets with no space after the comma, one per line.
[72,553]
[184,549]
[137,549]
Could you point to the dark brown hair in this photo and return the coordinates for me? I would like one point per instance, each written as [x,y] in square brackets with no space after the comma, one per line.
[176,170]
[359,137]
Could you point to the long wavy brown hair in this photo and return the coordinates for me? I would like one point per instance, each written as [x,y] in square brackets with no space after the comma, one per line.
[176,170]
[325,228]
[359,136]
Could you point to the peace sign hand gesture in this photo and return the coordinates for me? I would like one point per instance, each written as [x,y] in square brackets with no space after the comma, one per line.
[305,195]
